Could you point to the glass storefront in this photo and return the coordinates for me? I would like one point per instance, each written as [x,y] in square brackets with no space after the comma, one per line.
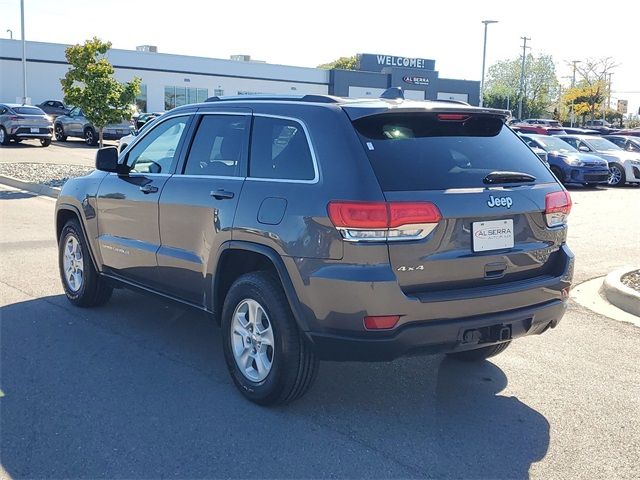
[178,96]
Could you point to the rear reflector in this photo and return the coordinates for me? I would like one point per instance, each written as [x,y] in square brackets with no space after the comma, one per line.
[557,208]
[382,322]
[380,221]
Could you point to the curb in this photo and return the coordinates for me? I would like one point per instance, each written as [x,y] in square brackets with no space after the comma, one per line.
[623,297]
[37,188]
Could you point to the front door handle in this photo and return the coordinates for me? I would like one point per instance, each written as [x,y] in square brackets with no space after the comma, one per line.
[221,194]
[148,189]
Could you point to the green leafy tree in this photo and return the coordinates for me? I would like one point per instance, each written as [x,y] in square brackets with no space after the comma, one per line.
[342,63]
[591,90]
[89,84]
[541,86]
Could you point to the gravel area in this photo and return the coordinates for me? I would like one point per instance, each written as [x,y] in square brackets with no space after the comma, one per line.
[43,173]
[632,280]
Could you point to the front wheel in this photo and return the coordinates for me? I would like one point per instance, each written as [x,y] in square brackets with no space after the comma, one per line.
[4,138]
[269,359]
[59,132]
[45,142]
[81,282]
[616,175]
[558,173]
[481,353]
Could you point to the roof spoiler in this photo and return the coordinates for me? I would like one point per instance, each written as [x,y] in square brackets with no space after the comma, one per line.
[393,93]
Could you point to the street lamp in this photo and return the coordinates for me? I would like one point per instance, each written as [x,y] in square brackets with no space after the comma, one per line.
[484,57]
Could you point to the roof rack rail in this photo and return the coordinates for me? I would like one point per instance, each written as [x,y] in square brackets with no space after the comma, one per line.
[460,102]
[288,98]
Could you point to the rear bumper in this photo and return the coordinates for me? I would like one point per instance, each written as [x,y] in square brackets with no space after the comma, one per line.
[25,132]
[431,337]
[112,135]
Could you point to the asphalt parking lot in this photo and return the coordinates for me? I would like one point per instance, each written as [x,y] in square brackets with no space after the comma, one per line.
[138,388]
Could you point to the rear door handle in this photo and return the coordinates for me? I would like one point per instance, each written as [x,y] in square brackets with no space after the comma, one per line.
[148,189]
[221,194]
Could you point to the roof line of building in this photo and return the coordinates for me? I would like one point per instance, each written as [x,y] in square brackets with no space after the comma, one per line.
[183,72]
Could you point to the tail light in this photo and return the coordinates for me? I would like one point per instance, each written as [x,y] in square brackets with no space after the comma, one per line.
[557,206]
[381,322]
[382,221]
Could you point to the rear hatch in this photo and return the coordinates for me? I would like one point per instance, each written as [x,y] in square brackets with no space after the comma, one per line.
[27,116]
[489,187]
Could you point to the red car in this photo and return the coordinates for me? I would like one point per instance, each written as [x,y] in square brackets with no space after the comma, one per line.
[539,126]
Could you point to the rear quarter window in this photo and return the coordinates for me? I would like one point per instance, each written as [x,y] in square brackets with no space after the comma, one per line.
[417,151]
[28,111]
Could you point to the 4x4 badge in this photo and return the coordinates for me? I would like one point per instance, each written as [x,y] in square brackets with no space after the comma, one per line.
[499,202]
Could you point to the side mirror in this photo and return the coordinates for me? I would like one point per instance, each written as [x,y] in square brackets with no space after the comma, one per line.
[107,161]
[582,148]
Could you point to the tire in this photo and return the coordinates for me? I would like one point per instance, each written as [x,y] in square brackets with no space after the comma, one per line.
[481,353]
[293,365]
[45,142]
[558,173]
[88,289]
[90,137]
[4,138]
[59,132]
[617,176]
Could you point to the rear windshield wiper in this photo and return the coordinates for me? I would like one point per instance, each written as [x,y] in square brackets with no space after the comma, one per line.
[508,177]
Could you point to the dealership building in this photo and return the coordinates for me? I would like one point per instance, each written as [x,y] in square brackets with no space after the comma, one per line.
[172,80]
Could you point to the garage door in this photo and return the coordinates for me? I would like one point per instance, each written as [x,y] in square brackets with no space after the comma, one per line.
[414,94]
[365,92]
[453,96]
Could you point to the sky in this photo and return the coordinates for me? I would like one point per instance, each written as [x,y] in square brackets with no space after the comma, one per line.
[308,33]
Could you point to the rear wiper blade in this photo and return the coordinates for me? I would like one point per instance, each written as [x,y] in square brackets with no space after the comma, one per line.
[508,177]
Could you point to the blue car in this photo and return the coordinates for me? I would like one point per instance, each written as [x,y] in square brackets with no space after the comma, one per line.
[567,163]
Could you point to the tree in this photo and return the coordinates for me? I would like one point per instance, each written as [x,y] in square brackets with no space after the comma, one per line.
[89,84]
[591,89]
[541,86]
[342,63]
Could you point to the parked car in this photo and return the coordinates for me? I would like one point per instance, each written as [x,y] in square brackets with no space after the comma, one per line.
[629,132]
[568,164]
[601,126]
[543,121]
[127,139]
[75,124]
[143,118]
[19,122]
[625,142]
[579,131]
[623,166]
[537,129]
[307,227]
[54,108]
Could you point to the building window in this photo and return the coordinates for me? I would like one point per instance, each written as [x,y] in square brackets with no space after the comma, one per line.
[141,99]
[178,96]
[218,92]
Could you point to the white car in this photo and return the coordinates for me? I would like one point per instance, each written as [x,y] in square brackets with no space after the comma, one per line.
[125,141]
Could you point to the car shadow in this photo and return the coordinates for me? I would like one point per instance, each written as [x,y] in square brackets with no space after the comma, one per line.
[15,195]
[138,388]
[79,143]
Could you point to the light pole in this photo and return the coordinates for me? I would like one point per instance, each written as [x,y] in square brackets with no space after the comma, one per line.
[484,57]
[24,55]
[524,59]
[10,32]
[573,84]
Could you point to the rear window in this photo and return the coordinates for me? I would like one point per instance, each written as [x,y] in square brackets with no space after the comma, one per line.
[28,111]
[419,152]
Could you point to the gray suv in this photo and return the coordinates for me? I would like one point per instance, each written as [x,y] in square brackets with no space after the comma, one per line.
[321,228]
[75,124]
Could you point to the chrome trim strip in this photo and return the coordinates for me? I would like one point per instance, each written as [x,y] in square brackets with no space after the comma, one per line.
[424,230]
[316,171]
[215,177]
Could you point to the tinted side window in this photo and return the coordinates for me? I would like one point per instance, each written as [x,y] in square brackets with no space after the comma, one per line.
[218,147]
[154,153]
[280,150]
[571,141]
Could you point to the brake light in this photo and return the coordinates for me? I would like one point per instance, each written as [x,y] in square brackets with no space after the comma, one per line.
[452,117]
[381,322]
[381,221]
[557,206]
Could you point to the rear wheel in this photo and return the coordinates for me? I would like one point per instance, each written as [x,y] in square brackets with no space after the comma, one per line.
[481,353]
[90,137]
[81,282]
[268,357]
[59,131]
[616,175]
[4,138]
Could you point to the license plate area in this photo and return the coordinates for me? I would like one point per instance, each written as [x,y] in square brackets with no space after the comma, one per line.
[492,235]
[35,130]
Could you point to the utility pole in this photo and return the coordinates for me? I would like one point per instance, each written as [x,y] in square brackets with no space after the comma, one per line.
[484,57]
[573,84]
[609,92]
[24,55]
[524,59]
[604,85]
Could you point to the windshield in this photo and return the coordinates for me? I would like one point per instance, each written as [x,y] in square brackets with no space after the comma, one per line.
[554,144]
[28,111]
[418,151]
[600,144]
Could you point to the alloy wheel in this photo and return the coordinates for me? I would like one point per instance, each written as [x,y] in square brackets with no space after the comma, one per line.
[73,264]
[1,135]
[615,175]
[252,340]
